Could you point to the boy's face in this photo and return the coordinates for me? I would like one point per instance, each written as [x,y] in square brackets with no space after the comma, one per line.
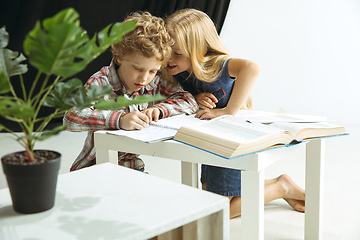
[136,71]
[178,62]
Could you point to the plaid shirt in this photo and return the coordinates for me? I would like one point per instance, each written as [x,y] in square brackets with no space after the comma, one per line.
[178,102]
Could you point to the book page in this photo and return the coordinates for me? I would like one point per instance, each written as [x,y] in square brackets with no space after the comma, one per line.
[236,129]
[269,117]
[310,130]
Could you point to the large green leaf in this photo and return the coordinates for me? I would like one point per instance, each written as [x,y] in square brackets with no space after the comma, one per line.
[61,91]
[60,46]
[9,60]
[106,37]
[85,99]
[121,102]
[52,50]
[19,110]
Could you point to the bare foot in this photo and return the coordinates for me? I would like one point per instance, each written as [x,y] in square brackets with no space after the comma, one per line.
[293,194]
[298,205]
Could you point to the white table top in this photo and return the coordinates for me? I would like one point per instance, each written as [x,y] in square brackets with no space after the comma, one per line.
[107,201]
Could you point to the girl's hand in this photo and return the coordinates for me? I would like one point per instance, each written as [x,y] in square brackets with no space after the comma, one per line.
[133,121]
[153,113]
[211,113]
[206,100]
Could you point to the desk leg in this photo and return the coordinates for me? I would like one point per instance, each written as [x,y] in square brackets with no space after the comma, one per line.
[189,173]
[252,205]
[103,156]
[314,187]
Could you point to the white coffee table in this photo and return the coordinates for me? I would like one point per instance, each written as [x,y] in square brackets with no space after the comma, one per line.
[107,201]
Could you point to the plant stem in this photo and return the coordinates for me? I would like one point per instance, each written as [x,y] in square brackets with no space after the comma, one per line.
[34,85]
[46,122]
[23,88]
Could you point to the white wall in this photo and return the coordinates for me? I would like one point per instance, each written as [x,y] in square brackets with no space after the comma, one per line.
[308,52]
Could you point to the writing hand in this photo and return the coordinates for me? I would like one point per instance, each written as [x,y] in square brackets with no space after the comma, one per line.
[153,113]
[206,100]
[134,121]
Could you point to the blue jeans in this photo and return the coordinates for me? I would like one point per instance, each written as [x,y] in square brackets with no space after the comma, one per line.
[223,181]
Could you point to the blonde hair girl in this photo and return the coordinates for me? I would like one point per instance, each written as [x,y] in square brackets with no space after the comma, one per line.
[221,84]
[197,41]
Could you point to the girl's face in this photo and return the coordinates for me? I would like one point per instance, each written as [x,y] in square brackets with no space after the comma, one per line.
[178,62]
[136,71]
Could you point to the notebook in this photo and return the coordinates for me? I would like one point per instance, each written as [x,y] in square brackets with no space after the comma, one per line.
[163,129]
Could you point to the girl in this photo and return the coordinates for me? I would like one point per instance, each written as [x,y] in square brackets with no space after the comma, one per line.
[221,85]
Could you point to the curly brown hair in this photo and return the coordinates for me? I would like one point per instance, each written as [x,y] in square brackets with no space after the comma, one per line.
[149,37]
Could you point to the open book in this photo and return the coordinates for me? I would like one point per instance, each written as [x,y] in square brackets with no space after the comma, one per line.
[232,136]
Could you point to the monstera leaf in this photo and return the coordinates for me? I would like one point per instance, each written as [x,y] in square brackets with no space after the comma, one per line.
[61,47]
[62,91]
[17,109]
[10,63]
[124,102]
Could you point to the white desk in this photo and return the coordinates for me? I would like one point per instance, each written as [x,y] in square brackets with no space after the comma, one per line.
[107,201]
[252,177]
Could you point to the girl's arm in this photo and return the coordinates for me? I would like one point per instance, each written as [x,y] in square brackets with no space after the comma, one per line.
[246,73]
[177,100]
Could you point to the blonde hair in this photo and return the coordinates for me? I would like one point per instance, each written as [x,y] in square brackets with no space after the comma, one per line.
[196,35]
[149,37]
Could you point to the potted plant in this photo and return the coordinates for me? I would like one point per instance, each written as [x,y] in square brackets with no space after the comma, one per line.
[58,48]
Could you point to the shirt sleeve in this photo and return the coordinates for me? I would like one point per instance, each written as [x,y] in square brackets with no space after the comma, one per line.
[91,118]
[177,100]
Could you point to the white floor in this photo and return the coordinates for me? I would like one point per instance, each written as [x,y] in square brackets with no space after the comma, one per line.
[342,178]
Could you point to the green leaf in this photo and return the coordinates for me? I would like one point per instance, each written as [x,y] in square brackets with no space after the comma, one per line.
[54,51]
[4,37]
[63,90]
[121,102]
[106,38]
[87,99]
[4,83]
[44,135]
[9,60]
[48,134]
[60,46]
[8,107]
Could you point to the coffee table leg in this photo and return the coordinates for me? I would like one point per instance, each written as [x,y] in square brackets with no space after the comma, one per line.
[314,187]
[252,205]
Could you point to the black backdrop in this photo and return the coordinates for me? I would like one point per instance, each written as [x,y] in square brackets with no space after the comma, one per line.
[20,16]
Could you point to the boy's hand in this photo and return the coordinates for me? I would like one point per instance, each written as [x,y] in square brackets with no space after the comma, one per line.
[206,100]
[134,121]
[153,113]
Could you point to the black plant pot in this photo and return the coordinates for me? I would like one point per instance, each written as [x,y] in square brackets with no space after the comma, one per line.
[32,187]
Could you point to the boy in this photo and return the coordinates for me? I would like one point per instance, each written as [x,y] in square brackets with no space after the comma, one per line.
[133,71]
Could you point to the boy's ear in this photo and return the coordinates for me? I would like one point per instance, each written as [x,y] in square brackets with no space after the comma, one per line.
[117,60]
